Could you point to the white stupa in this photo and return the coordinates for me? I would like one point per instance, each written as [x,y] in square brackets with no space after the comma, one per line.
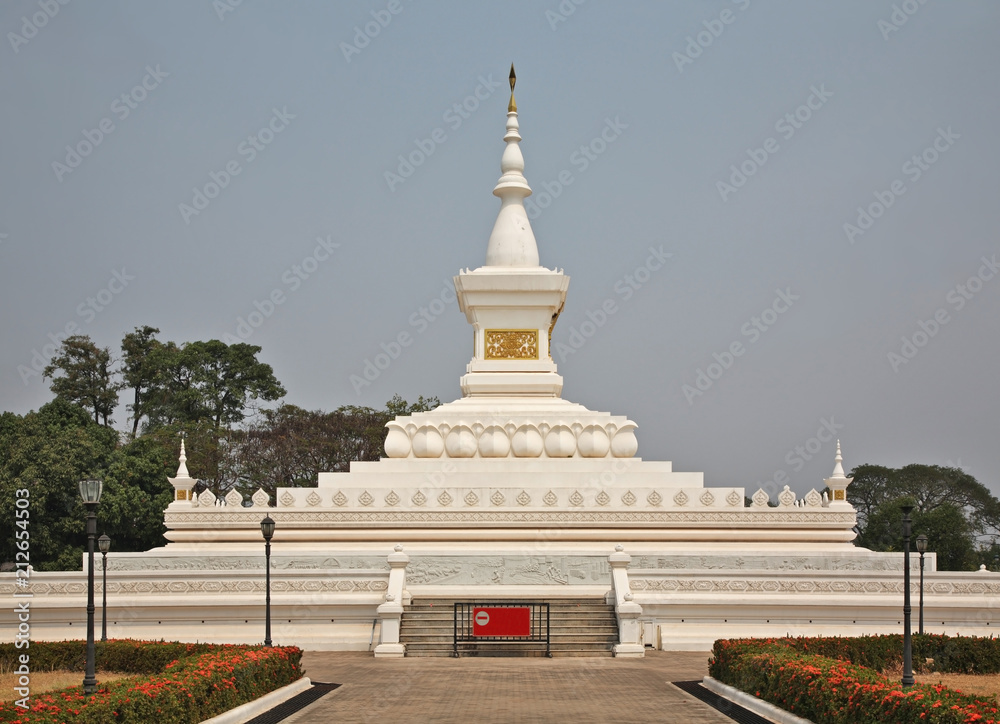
[511,492]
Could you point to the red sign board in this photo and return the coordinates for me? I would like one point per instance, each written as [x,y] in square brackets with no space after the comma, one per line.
[504,621]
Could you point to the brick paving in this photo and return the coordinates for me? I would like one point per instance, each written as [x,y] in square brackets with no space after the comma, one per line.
[505,690]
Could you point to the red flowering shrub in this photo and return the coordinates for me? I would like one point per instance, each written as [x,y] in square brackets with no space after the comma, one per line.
[830,690]
[204,681]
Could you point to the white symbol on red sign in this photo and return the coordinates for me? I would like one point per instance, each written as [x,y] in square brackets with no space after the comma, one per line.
[482,618]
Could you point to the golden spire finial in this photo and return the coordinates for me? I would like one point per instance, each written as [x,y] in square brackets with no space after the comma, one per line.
[512,106]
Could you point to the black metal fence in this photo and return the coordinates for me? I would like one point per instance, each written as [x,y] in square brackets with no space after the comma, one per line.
[468,639]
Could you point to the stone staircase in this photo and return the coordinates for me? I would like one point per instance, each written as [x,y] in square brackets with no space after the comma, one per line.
[579,627]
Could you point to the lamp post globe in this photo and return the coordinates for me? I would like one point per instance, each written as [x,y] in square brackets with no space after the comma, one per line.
[104,543]
[90,492]
[267,530]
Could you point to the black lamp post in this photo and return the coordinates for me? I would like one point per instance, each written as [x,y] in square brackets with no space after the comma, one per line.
[104,543]
[267,529]
[921,548]
[90,491]
[907,643]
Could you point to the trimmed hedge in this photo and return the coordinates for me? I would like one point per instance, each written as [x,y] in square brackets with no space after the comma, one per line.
[828,689]
[199,681]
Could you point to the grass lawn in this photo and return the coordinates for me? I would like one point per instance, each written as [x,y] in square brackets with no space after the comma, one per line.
[42,681]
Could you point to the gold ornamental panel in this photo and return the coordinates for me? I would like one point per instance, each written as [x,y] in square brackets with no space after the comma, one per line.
[511,344]
[838,495]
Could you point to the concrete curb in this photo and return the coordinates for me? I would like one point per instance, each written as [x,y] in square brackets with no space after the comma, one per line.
[245,712]
[748,701]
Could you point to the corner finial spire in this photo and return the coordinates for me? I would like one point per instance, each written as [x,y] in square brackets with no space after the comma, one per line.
[512,106]
[182,471]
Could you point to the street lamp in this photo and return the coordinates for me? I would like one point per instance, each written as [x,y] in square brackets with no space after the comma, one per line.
[907,643]
[921,548]
[104,543]
[90,491]
[267,529]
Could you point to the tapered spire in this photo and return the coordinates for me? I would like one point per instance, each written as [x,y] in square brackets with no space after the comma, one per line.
[512,242]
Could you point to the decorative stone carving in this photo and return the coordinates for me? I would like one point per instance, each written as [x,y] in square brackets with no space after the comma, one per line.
[366,498]
[527,442]
[340,499]
[418,498]
[498,498]
[734,498]
[602,498]
[560,442]
[427,442]
[461,442]
[392,498]
[654,499]
[511,344]
[786,498]
[494,443]
[550,498]
[471,498]
[628,498]
[707,498]
[681,498]
[575,498]
[813,499]
[760,498]
[523,498]
[260,499]
[313,498]
[234,498]
[445,499]
[593,442]
[624,444]
[397,442]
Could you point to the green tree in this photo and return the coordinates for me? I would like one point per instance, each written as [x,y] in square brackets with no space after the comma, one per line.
[142,362]
[81,373]
[957,513]
[47,453]
[136,492]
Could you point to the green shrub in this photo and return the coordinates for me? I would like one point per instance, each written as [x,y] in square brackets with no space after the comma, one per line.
[827,688]
[192,682]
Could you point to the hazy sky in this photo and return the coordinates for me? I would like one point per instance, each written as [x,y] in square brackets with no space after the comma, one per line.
[792,206]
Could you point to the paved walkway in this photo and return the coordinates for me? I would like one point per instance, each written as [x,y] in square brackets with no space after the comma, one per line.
[506,690]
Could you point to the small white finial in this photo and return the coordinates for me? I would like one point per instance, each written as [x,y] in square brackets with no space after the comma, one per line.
[619,548]
[838,468]
[398,548]
[182,469]
[628,596]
